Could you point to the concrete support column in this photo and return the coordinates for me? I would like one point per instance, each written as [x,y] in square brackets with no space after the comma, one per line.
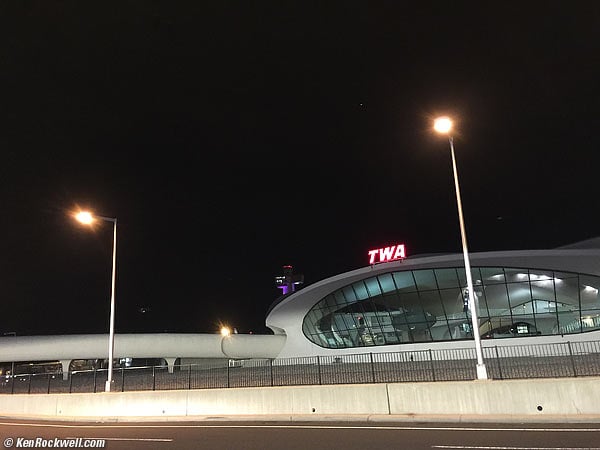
[65,363]
[170,363]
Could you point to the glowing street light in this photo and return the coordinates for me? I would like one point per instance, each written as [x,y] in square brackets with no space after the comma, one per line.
[443,125]
[225,331]
[88,218]
[85,217]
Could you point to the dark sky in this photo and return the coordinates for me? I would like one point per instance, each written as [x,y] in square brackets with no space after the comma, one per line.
[231,138]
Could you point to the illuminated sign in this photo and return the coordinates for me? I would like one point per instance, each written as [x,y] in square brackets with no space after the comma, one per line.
[386,254]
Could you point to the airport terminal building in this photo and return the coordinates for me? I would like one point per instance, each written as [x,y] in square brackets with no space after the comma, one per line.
[414,303]
[399,305]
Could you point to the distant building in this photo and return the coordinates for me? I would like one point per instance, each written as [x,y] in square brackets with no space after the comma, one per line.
[289,281]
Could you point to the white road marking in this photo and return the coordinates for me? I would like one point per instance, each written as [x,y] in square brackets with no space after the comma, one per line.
[135,439]
[479,447]
[127,439]
[315,427]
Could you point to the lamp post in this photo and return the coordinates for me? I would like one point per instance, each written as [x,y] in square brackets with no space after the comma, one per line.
[443,125]
[87,218]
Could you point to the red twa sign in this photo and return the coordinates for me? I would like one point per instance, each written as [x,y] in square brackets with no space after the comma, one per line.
[386,254]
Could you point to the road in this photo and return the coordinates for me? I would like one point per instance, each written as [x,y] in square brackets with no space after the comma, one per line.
[350,435]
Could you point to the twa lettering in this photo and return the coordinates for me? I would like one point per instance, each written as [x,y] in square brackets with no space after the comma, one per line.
[386,254]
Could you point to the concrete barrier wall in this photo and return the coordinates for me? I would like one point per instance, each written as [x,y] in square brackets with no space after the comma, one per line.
[563,396]
[569,396]
[338,399]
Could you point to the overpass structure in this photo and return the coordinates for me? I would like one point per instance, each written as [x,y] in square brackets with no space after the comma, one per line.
[168,346]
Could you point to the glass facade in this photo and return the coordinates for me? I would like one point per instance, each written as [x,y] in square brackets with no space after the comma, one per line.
[431,305]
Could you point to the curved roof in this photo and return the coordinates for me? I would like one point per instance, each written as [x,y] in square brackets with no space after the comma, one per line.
[588,243]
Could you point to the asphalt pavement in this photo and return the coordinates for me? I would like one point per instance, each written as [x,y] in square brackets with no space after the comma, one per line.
[349,434]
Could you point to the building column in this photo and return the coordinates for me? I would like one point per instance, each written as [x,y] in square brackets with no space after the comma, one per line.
[65,363]
[170,363]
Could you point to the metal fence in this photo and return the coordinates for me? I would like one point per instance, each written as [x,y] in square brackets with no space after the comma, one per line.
[570,359]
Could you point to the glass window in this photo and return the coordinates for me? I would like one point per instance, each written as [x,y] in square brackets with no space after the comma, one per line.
[590,300]
[565,275]
[391,302]
[540,275]
[425,280]
[492,275]
[543,290]
[386,282]
[519,296]
[567,306]
[497,300]
[323,312]
[340,300]
[329,302]
[446,278]
[543,306]
[569,322]
[404,281]
[408,306]
[462,278]
[481,300]
[349,294]
[567,293]
[410,301]
[589,321]
[349,320]
[309,327]
[482,311]
[524,325]
[431,302]
[360,290]
[516,275]
[373,287]
[476,276]
[453,302]
[313,316]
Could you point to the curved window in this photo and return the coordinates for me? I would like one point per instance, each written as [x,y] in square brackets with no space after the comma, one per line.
[431,305]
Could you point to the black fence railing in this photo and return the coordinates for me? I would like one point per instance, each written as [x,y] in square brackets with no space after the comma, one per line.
[570,359]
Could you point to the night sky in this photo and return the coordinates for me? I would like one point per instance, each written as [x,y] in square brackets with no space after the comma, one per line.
[231,138]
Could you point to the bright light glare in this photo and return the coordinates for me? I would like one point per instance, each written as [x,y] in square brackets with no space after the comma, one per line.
[225,331]
[591,289]
[85,217]
[442,125]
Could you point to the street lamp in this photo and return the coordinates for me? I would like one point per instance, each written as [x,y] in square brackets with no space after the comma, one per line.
[443,125]
[225,332]
[87,218]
